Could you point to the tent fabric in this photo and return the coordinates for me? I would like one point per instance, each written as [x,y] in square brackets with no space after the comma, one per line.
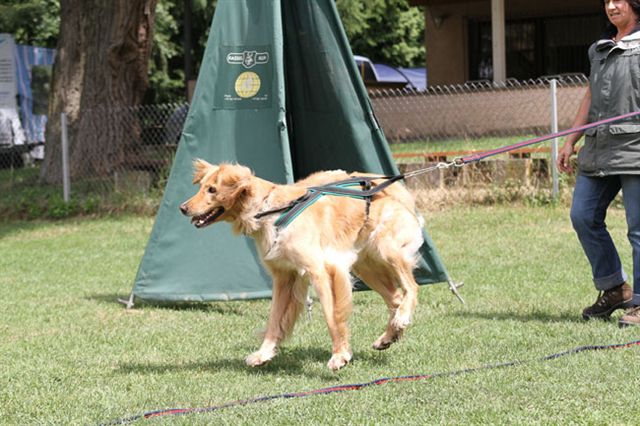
[416,78]
[277,91]
[11,132]
[26,58]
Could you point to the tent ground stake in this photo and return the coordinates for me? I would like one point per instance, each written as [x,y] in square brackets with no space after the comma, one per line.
[454,289]
[127,302]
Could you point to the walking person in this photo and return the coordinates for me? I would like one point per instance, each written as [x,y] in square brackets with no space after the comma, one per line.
[609,161]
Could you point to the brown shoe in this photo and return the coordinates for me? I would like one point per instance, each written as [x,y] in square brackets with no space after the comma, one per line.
[631,317]
[608,301]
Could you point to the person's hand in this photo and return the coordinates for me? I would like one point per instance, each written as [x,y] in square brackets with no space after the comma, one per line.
[564,157]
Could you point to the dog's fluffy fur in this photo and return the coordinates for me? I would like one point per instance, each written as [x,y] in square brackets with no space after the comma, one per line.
[321,247]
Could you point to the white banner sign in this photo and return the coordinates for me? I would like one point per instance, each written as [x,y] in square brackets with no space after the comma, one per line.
[7,72]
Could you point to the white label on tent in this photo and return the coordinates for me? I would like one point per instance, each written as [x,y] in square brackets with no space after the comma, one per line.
[248,58]
[245,82]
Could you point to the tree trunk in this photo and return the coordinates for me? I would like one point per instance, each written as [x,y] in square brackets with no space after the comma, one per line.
[99,74]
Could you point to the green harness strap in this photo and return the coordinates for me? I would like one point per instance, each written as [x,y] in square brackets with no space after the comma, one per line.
[340,189]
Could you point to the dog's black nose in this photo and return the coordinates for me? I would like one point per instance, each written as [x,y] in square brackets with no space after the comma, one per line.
[184,209]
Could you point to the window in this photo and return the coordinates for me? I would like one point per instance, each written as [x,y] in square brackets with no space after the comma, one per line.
[535,47]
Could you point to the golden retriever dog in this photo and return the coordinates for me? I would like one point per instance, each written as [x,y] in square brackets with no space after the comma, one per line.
[331,238]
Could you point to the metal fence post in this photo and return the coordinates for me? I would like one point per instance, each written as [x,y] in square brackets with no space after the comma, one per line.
[66,183]
[554,143]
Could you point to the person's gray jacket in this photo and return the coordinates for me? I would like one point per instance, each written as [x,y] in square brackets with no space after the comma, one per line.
[615,89]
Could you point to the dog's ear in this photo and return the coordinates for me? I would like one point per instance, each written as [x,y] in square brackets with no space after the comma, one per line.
[200,169]
[237,183]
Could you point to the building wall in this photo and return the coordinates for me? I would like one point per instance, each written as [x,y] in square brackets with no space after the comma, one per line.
[456,112]
[446,38]
[446,41]
[446,57]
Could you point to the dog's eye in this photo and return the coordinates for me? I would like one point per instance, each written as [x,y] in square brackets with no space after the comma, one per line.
[212,190]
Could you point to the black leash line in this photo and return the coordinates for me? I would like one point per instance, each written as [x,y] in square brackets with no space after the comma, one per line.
[360,386]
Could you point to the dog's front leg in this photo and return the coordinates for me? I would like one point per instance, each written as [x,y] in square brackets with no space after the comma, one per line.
[333,288]
[287,302]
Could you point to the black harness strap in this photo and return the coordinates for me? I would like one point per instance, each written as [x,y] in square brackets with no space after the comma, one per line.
[366,186]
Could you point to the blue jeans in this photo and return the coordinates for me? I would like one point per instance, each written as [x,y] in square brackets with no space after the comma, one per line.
[591,198]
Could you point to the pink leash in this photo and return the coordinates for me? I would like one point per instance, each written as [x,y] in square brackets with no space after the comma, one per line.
[480,156]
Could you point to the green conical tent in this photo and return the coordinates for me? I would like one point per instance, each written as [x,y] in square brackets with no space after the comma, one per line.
[278,91]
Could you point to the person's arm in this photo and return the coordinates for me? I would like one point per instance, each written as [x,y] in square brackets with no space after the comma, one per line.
[568,149]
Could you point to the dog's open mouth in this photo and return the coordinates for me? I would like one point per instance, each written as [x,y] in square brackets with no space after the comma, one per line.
[207,218]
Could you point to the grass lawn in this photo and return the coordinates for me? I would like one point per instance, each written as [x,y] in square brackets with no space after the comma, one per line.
[70,354]
[476,144]
[461,147]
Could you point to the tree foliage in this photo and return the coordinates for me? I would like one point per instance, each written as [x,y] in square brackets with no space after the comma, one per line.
[166,80]
[388,31]
[167,76]
[34,22]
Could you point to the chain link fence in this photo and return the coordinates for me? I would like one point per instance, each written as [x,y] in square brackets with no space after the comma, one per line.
[447,122]
[126,150]
[12,141]
[476,110]
[136,146]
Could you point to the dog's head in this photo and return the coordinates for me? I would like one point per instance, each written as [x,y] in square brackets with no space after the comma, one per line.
[222,191]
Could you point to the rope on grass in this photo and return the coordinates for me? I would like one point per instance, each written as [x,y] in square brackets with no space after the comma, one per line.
[359,386]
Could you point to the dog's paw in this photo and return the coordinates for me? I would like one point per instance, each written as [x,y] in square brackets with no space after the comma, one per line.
[400,321]
[381,344]
[339,360]
[386,340]
[257,359]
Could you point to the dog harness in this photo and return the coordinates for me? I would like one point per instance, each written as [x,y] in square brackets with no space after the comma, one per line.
[343,188]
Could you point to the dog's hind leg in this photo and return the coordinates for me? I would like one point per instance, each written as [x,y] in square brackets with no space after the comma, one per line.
[289,292]
[333,288]
[382,283]
[403,276]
